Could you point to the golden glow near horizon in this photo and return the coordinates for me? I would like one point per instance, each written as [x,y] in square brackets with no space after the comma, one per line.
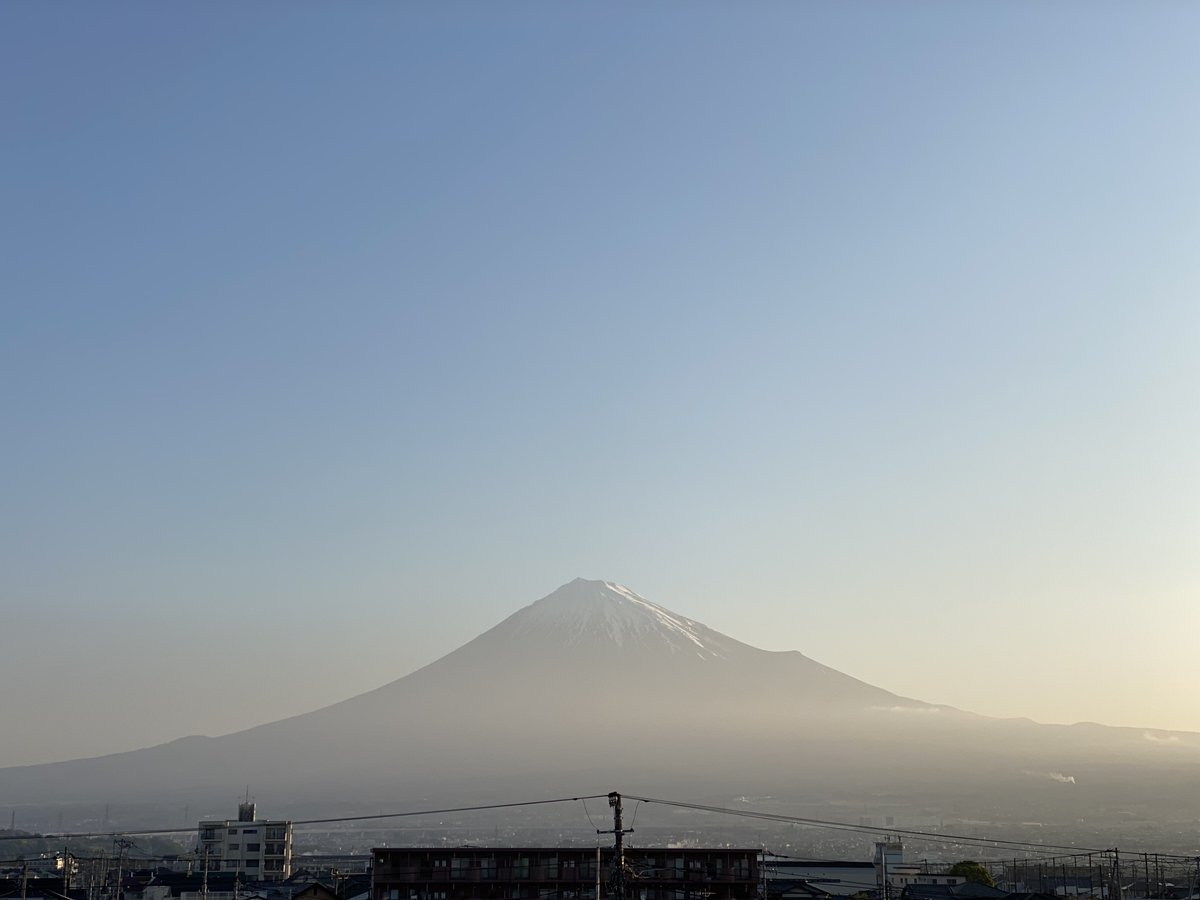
[872,337]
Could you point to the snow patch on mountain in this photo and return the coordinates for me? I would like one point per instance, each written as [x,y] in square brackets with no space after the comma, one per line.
[588,611]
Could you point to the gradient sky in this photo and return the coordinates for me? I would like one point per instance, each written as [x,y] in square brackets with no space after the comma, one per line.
[331,335]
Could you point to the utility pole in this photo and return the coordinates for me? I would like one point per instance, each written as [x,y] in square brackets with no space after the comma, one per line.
[120,845]
[616,881]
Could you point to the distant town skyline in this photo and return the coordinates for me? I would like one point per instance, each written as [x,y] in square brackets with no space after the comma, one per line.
[333,336]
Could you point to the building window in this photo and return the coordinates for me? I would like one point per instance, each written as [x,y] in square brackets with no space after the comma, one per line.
[253,848]
[233,846]
[233,831]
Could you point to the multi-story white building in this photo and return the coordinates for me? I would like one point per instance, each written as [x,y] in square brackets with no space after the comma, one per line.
[259,849]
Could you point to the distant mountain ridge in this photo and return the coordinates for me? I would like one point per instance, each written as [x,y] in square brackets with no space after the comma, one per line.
[595,684]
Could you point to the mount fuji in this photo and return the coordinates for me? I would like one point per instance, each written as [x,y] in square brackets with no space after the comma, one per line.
[594,686]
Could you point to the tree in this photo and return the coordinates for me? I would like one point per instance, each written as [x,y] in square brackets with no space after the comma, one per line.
[972,871]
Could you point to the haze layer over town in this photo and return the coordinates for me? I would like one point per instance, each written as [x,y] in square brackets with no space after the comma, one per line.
[845,354]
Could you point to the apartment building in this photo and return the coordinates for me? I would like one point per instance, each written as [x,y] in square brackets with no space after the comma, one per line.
[563,873]
[259,849]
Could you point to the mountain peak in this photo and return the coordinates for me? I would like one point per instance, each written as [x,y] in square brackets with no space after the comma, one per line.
[585,611]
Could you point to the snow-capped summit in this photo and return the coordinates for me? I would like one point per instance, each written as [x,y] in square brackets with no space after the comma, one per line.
[590,611]
[596,684]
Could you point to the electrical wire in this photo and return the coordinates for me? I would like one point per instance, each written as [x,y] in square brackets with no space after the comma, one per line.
[1030,848]
[866,829]
[295,822]
[589,816]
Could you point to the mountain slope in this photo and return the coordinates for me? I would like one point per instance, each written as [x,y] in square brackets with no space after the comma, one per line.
[596,683]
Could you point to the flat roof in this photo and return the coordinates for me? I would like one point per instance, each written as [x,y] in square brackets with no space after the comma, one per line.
[577,849]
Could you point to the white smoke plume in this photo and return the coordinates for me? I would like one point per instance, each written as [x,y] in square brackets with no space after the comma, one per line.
[1161,739]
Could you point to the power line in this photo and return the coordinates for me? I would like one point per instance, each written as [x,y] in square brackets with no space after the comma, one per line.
[1028,847]
[328,821]
[866,829]
[589,817]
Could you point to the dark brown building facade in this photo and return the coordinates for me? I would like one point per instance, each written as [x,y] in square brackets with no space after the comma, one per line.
[564,873]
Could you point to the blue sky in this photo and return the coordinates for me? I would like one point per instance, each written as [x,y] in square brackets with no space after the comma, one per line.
[346,331]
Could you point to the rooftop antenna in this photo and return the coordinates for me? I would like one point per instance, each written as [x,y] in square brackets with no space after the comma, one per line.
[246,808]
